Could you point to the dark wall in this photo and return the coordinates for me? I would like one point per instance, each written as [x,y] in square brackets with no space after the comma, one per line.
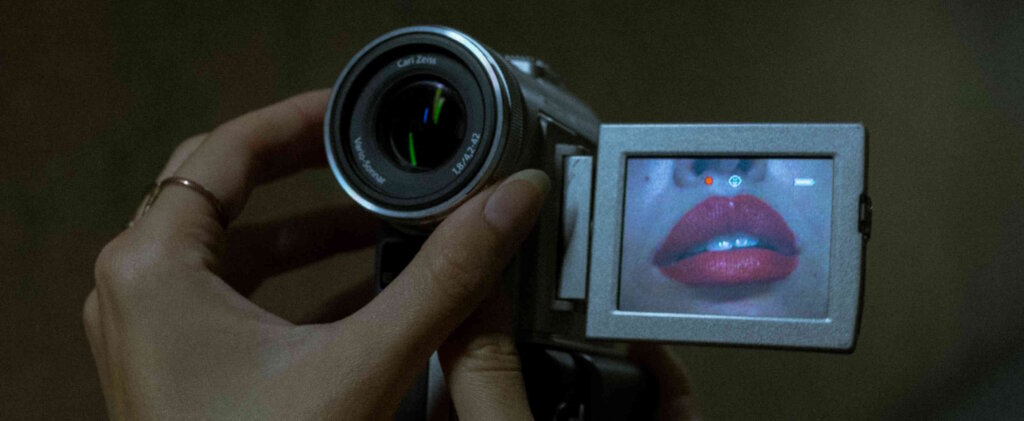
[94,96]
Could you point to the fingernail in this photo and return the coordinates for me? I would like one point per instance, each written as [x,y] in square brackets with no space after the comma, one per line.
[516,202]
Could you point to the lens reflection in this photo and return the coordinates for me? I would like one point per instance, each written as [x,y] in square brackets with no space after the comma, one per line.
[423,123]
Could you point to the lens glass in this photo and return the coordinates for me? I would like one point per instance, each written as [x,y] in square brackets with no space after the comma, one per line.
[421,123]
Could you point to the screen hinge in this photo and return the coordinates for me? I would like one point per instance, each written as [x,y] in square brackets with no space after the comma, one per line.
[864,216]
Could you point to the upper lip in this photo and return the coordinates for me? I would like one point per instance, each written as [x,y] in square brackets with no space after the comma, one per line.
[720,215]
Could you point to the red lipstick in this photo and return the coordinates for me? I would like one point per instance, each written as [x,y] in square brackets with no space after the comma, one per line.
[684,257]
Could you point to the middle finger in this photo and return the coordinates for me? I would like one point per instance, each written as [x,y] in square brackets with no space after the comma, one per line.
[254,253]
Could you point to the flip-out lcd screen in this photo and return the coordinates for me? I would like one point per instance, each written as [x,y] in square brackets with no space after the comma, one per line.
[732,236]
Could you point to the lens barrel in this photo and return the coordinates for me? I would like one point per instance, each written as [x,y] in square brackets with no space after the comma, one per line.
[421,119]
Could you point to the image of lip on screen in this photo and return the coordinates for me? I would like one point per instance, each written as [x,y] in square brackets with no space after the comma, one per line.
[727,236]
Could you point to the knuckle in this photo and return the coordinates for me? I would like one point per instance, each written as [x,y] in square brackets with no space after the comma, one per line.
[181,153]
[490,354]
[108,262]
[244,136]
[303,112]
[111,262]
[123,262]
[457,274]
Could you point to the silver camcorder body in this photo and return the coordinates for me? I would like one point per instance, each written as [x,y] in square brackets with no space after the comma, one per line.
[737,234]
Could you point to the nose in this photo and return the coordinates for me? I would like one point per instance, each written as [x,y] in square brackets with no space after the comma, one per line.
[689,172]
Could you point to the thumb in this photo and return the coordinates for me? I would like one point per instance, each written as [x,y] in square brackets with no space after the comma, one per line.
[457,267]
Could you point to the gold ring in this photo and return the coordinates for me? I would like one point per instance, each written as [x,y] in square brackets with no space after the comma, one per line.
[155,190]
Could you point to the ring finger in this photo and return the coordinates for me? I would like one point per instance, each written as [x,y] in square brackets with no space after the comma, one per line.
[178,156]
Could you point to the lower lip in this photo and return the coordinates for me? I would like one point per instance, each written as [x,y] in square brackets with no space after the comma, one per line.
[731,267]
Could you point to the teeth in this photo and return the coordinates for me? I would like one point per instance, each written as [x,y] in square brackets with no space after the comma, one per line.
[727,242]
[744,241]
[719,245]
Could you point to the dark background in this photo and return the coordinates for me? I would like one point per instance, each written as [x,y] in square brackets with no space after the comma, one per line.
[94,95]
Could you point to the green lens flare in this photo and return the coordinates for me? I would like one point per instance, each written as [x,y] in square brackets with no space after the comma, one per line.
[412,151]
[438,102]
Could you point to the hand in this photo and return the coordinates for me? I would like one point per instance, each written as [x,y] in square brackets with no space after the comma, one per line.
[173,338]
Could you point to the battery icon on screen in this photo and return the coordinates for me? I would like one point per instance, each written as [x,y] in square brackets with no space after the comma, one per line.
[803,182]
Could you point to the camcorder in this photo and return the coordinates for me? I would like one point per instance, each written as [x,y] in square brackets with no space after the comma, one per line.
[726,234]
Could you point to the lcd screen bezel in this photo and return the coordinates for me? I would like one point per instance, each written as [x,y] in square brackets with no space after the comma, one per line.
[844,144]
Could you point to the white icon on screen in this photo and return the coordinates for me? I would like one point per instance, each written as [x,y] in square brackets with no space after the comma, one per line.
[735,181]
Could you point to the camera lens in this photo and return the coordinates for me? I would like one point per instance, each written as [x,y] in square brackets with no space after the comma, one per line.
[421,123]
[420,120]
